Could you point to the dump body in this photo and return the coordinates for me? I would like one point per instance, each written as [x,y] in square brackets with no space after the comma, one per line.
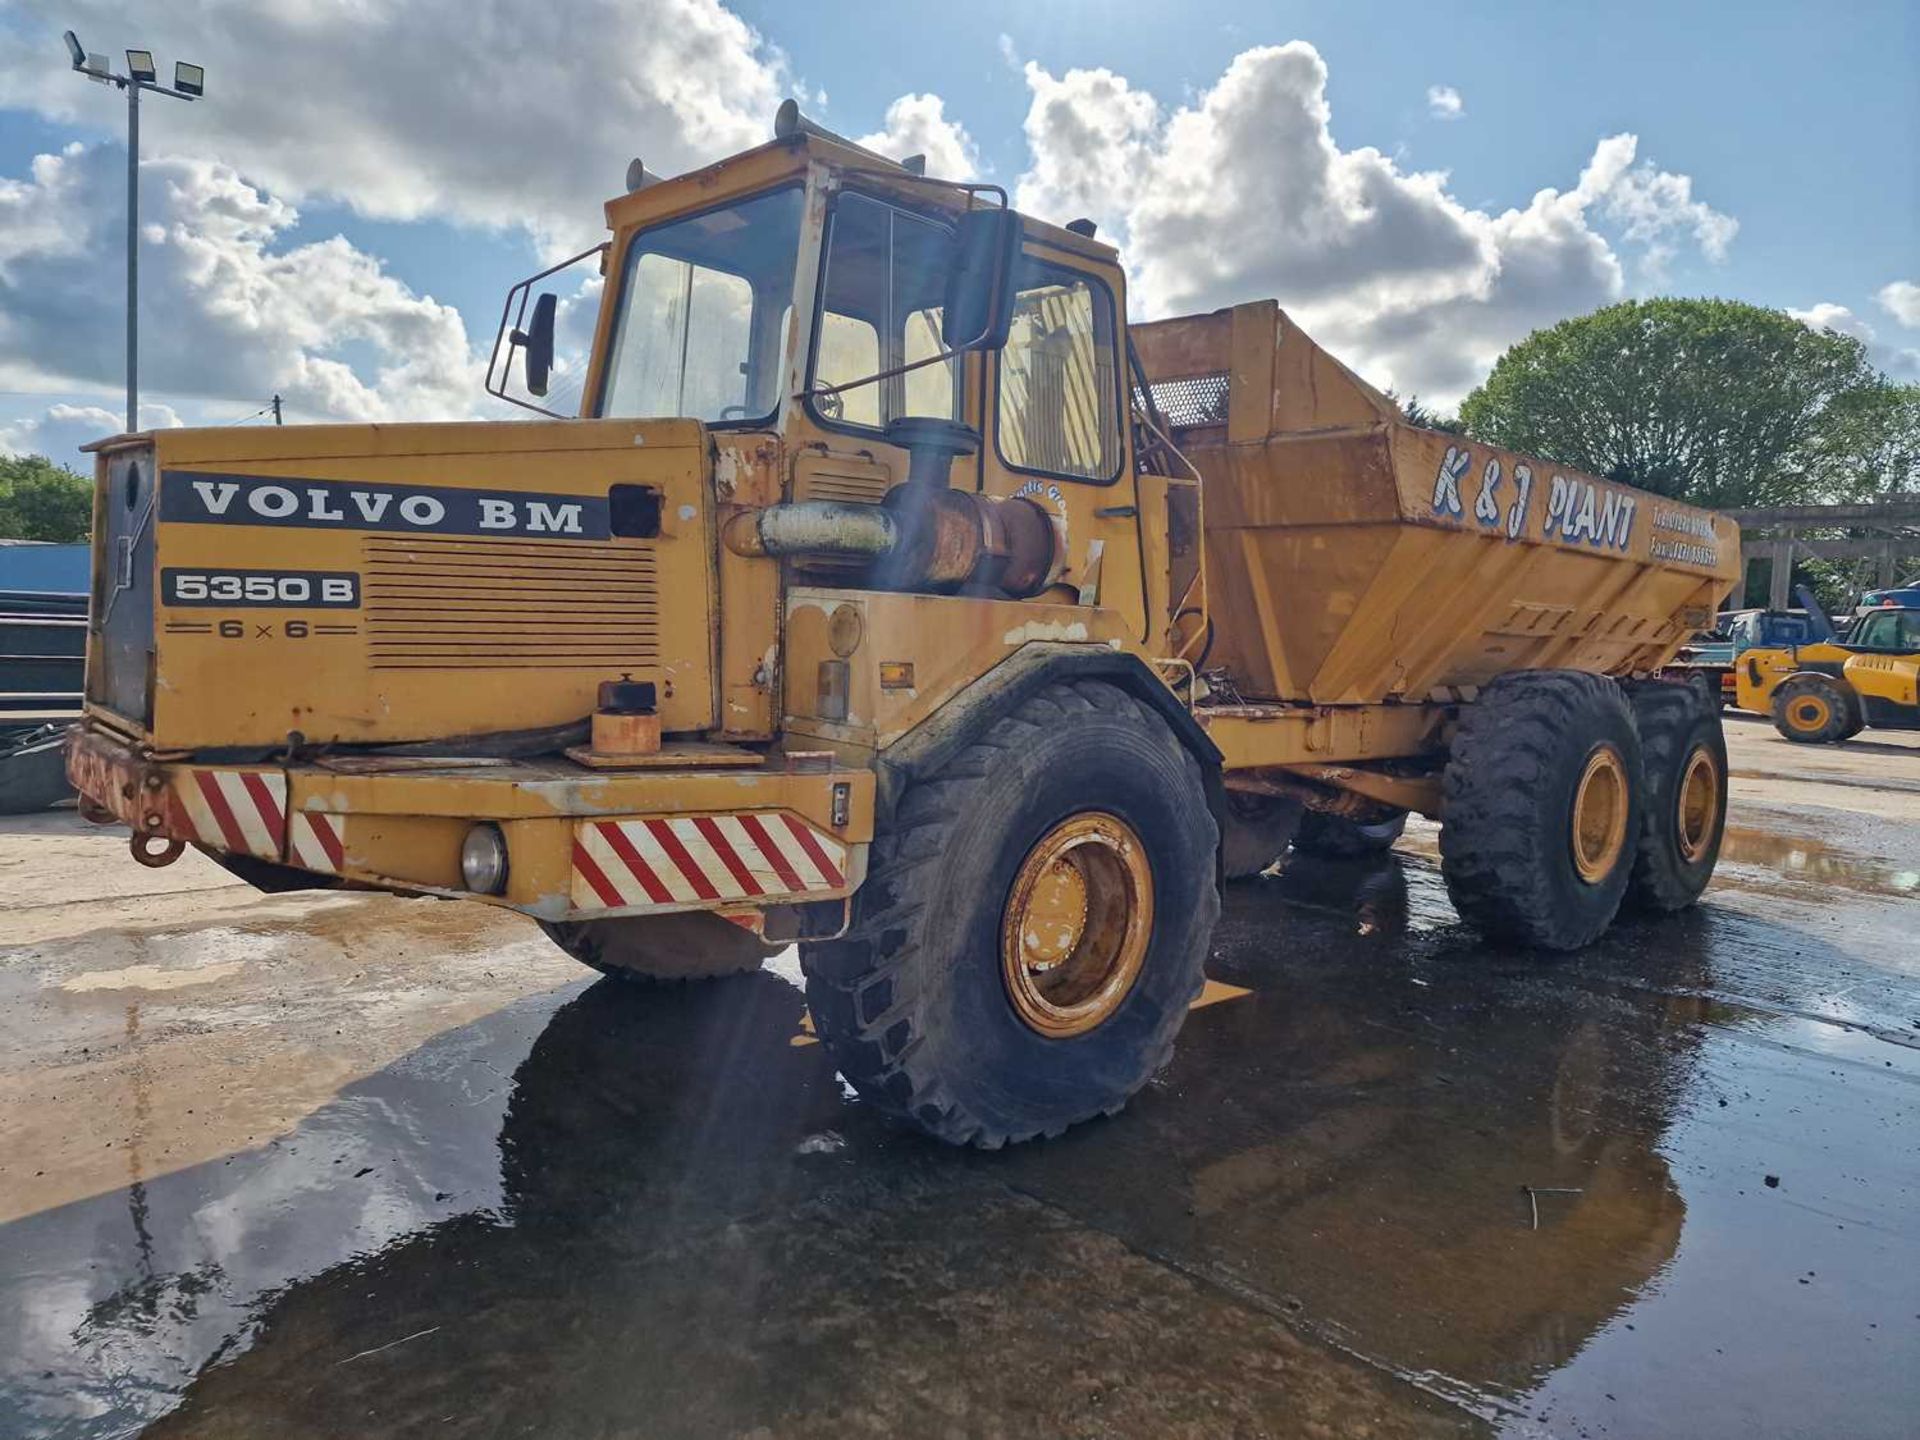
[1354,559]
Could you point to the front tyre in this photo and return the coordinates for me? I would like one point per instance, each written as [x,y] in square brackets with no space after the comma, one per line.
[1033,926]
[1685,758]
[688,945]
[1814,709]
[1543,795]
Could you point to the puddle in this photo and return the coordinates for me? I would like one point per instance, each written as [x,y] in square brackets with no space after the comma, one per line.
[1804,858]
[616,1200]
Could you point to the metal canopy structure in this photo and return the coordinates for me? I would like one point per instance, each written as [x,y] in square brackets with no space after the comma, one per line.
[1885,531]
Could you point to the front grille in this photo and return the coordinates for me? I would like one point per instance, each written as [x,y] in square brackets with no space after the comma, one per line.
[460,604]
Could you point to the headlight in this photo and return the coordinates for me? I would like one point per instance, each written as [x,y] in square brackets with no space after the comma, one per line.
[483,860]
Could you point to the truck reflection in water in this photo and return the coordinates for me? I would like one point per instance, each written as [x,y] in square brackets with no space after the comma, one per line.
[682,1221]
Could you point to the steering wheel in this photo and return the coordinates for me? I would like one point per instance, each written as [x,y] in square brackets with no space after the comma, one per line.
[733,412]
[831,406]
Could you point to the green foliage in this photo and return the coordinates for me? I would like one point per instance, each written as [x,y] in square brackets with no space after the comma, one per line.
[1711,401]
[40,500]
[1426,417]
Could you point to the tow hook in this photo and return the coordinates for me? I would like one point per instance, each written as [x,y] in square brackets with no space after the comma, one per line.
[156,851]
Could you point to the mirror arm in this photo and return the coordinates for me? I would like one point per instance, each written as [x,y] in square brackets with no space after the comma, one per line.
[497,386]
[889,374]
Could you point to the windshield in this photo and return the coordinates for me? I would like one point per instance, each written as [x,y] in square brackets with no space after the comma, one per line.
[704,306]
[881,305]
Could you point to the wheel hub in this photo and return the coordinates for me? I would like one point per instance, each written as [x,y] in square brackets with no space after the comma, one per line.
[1699,805]
[1600,815]
[1074,933]
[1808,712]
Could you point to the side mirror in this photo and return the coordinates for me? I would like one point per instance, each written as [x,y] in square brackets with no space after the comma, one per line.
[537,341]
[979,303]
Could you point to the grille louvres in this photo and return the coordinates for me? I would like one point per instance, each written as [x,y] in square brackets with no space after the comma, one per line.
[459,604]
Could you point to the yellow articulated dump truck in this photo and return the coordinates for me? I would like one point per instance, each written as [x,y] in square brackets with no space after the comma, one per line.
[890,594]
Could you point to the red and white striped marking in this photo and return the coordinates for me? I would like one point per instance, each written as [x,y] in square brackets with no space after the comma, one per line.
[242,811]
[696,859]
[317,842]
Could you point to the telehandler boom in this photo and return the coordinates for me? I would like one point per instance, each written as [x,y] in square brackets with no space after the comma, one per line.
[890,594]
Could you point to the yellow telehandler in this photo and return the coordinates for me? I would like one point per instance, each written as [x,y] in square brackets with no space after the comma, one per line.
[1832,689]
[889,593]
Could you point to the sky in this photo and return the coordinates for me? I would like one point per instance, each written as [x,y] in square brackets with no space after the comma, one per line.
[1420,186]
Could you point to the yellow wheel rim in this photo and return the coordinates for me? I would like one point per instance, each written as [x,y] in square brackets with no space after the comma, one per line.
[1809,712]
[1600,815]
[1077,921]
[1699,805]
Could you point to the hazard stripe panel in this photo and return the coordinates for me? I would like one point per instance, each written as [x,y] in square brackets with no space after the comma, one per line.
[242,811]
[317,842]
[754,856]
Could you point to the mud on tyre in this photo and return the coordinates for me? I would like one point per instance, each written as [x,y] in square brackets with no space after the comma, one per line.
[1543,795]
[1684,760]
[1032,928]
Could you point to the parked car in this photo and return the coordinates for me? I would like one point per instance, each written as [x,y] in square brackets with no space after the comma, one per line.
[1901,597]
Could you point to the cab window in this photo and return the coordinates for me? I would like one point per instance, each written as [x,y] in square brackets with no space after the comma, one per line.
[1895,630]
[1058,408]
[702,318]
[881,296]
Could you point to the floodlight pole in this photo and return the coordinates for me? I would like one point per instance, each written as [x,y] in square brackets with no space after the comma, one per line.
[189,84]
[133,256]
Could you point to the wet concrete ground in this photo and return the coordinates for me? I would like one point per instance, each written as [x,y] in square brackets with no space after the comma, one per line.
[354,1165]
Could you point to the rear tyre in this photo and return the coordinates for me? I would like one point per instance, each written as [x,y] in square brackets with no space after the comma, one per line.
[690,945]
[1338,838]
[1815,709]
[1543,795]
[1707,685]
[1255,832]
[1032,930]
[1684,755]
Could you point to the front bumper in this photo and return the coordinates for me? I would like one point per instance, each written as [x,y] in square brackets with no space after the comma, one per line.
[580,843]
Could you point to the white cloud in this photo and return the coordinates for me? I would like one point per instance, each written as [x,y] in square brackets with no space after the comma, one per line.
[482,111]
[1444,103]
[1090,143]
[1828,316]
[61,429]
[227,312]
[918,125]
[1243,192]
[1902,363]
[1901,299]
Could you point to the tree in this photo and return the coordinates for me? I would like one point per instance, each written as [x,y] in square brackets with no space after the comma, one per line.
[1425,416]
[1711,401]
[40,500]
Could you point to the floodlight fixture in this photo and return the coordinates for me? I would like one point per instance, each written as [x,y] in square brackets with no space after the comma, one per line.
[141,67]
[76,50]
[189,79]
